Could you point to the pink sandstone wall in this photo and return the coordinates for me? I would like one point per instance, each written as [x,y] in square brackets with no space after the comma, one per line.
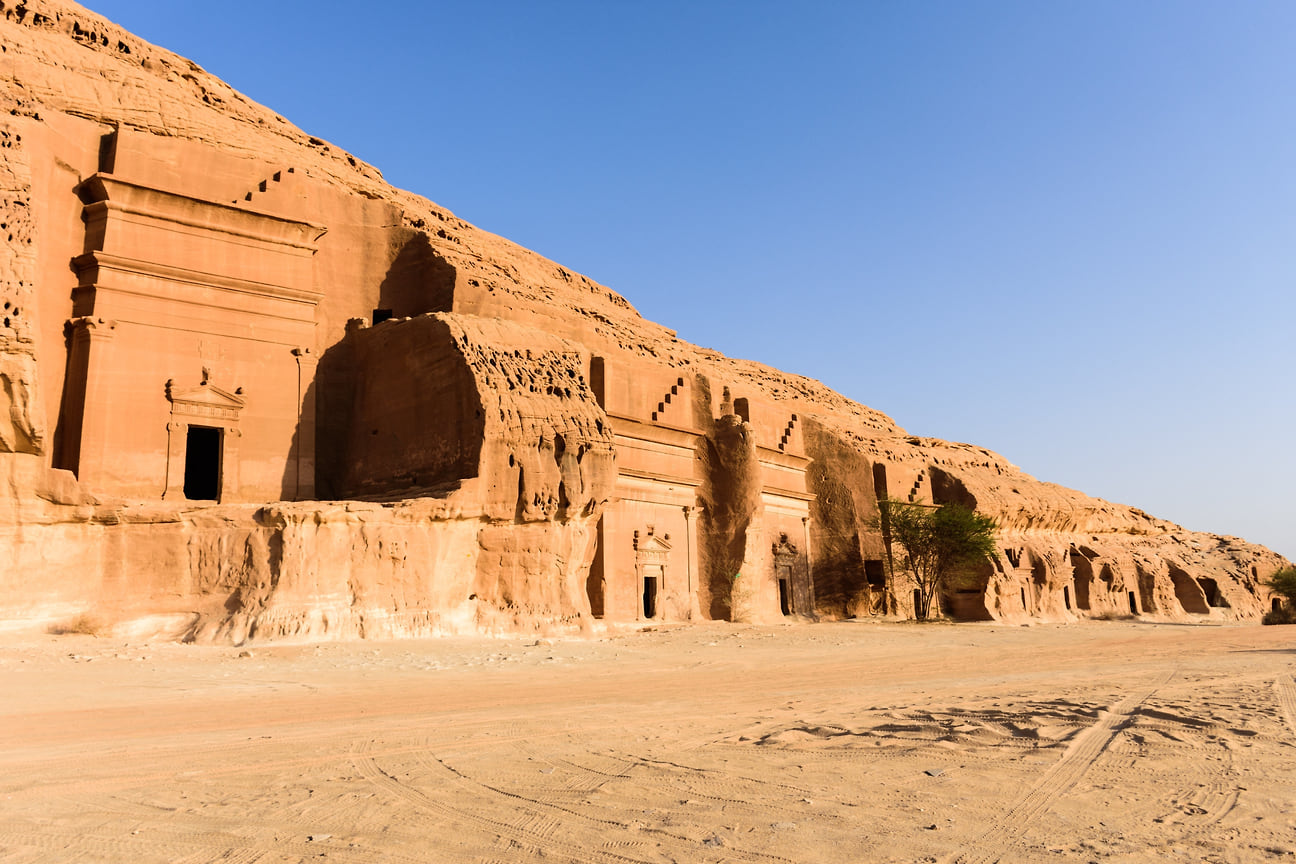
[512,545]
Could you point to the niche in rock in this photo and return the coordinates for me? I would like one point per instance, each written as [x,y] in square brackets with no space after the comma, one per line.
[948,489]
[1210,588]
[1188,592]
[418,280]
[875,574]
[560,448]
[1082,579]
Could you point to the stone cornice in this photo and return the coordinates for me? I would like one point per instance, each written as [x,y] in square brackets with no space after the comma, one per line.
[103,192]
[89,264]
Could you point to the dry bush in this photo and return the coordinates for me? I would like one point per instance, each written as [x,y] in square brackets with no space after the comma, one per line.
[1281,615]
[82,625]
[1113,616]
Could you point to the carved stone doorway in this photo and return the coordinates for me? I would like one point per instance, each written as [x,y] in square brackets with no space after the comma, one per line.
[651,582]
[652,554]
[202,465]
[785,589]
[785,558]
[203,436]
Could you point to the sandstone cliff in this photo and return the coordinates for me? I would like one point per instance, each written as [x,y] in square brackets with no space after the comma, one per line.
[489,519]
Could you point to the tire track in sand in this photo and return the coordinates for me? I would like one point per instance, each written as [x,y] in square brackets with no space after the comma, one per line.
[367,765]
[1285,691]
[1084,750]
[541,815]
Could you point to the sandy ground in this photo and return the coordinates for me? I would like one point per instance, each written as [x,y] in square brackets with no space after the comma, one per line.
[848,742]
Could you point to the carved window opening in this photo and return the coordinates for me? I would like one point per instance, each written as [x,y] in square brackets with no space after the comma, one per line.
[202,472]
[381,315]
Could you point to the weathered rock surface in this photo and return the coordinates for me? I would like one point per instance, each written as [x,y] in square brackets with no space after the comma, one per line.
[509,444]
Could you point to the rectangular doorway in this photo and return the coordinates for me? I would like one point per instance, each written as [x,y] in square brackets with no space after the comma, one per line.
[785,589]
[650,597]
[202,477]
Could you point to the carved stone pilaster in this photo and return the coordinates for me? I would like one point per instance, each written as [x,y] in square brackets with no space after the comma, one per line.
[304,448]
[86,395]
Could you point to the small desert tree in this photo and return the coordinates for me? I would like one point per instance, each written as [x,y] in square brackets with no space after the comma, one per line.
[936,544]
[1282,583]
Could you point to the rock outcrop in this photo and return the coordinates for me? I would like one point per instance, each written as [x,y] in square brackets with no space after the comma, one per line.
[249,390]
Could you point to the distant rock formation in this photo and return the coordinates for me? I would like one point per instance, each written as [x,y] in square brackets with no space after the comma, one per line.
[251,391]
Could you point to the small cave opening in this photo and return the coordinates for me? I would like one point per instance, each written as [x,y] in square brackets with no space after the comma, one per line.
[1188,592]
[1210,588]
[964,599]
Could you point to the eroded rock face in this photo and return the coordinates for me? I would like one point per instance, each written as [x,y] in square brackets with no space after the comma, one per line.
[378,419]
[22,425]
[731,498]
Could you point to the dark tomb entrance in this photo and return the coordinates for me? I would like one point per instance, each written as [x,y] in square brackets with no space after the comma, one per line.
[650,597]
[785,589]
[785,558]
[595,586]
[1133,604]
[202,463]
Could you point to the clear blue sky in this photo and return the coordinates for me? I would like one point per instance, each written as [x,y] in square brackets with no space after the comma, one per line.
[1064,231]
